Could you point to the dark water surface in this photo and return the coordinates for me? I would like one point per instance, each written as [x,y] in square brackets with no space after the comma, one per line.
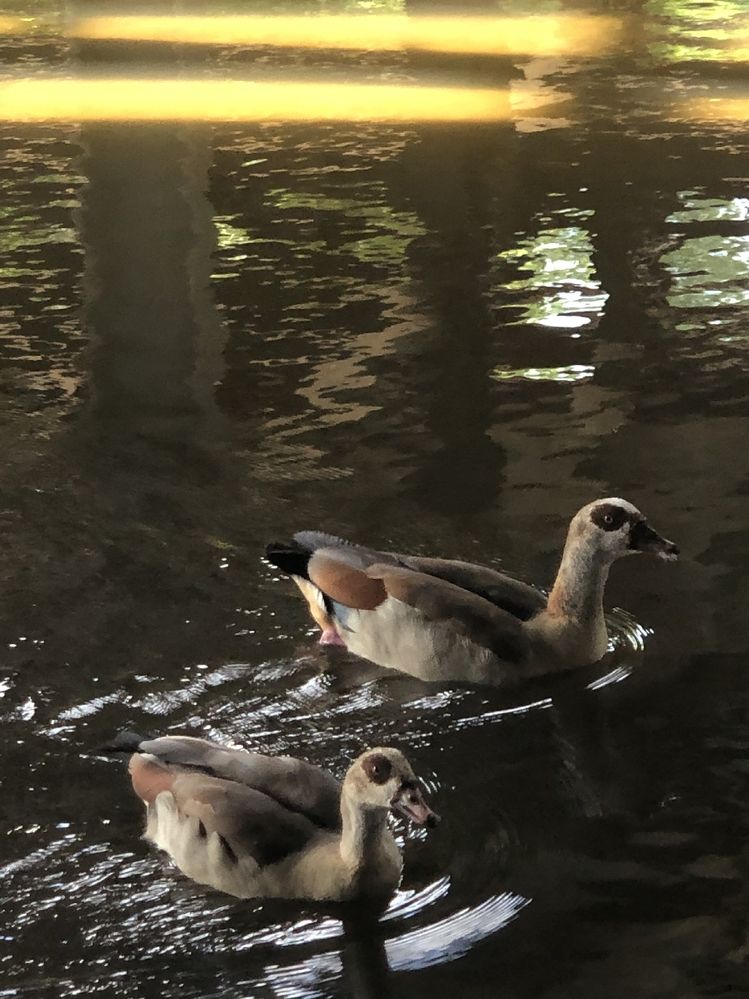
[437,338]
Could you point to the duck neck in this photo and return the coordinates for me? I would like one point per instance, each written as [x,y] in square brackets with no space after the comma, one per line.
[362,830]
[577,594]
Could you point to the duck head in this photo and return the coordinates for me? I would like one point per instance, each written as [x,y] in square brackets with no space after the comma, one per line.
[614,528]
[382,778]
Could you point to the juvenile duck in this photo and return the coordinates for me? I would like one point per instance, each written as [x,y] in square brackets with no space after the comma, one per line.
[275,827]
[441,619]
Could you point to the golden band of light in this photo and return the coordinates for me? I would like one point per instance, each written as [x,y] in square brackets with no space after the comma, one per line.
[533,35]
[720,109]
[35,100]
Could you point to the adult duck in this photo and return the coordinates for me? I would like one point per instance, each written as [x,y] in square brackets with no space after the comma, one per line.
[260,826]
[441,619]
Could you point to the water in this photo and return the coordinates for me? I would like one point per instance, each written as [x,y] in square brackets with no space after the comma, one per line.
[437,338]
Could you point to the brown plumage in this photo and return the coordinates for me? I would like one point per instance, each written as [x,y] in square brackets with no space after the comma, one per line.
[345,583]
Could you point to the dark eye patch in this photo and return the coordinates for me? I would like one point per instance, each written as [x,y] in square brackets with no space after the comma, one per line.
[378,768]
[609,516]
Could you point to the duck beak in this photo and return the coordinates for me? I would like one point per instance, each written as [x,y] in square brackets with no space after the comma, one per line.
[642,538]
[409,803]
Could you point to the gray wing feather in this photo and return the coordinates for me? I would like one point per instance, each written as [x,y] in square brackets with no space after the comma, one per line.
[511,595]
[293,784]
[248,822]
[347,550]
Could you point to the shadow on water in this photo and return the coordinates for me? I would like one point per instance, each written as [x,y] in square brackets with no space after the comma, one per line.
[438,339]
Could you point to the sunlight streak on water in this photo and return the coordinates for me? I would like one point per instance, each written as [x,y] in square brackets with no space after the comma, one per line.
[36,100]
[735,109]
[561,34]
[491,716]
[13,25]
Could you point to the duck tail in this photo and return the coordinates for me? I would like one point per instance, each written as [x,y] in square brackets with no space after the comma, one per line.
[290,557]
[123,742]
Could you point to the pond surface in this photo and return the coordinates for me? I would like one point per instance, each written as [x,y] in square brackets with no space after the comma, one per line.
[427,337]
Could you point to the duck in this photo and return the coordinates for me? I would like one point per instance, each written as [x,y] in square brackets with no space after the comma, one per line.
[257,826]
[441,619]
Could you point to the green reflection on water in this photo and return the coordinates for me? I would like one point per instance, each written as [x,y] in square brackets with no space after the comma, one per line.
[563,373]
[709,272]
[229,236]
[561,277]
[687,28]
[19,232]
[701,209]
[386,232]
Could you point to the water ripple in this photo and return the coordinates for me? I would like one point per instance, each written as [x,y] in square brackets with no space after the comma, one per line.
[454,936]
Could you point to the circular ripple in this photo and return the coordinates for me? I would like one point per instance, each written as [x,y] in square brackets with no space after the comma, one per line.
[456,890]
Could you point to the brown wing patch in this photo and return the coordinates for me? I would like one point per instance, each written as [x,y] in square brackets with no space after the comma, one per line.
[149,778]
[468,614]
[344,583]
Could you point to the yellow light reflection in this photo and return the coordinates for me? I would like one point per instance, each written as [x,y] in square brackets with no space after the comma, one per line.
[720,109]
[12,25]
[562,34]
[242,100]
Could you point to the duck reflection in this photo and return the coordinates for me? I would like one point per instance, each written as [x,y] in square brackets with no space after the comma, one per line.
[365,966]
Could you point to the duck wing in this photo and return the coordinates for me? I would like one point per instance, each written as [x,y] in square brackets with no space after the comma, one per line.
[312,541]
[231,822]
[511,595]
[434,601]
[294,785]
[468,614]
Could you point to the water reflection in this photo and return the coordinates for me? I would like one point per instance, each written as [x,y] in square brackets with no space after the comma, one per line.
[41,334]
[156,355]
[561,33]
[699,208]
[709,272]
[727,110]
[562,289]
[157,99]
[563,373]
[716,31]
[342,348]
[453,937]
